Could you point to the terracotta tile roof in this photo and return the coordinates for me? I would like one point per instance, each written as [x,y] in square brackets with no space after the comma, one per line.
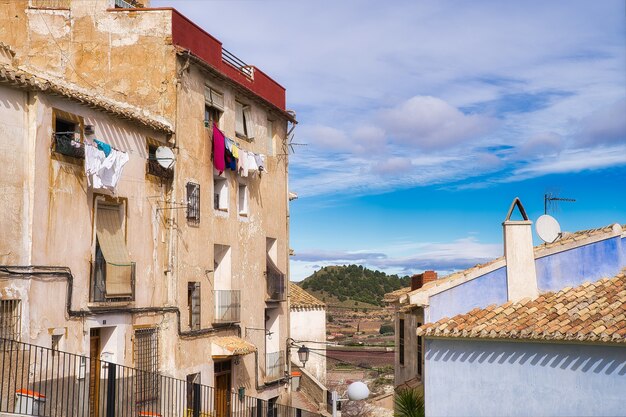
[567,238]
[392,297]
[19,78]
[299,298]
[232,346]
[593,312]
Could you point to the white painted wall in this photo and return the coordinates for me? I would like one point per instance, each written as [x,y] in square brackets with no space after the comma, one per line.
[310,325]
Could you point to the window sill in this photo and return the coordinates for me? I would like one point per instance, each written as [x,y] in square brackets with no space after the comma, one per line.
[244,137]
[109,304]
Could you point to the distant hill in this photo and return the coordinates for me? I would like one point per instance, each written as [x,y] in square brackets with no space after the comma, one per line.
[353,282]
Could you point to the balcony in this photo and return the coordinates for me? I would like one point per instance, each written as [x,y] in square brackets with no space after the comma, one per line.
[274,365]
[154,168]
[66,144]
[121,289]
[275,282]
[227,306]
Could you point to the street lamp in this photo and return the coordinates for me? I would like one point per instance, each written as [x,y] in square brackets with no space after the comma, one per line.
[356,391]
[303,355]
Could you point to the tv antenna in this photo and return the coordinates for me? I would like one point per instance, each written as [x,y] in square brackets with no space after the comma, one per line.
[548,199]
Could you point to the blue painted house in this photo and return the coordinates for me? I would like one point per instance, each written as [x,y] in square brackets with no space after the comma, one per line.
[523,273]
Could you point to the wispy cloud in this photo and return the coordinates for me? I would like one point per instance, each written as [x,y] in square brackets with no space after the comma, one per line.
[440,256]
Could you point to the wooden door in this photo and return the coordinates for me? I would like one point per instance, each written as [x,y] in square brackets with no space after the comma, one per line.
[222,395]
[94,372]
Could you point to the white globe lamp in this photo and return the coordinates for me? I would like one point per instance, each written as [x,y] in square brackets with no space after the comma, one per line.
[358,391]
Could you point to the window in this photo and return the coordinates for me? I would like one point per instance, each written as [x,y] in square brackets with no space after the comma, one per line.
[193,202]
[68,134]
[243,121]
[243,200]
[55,343]
[10,319]
[192,379]
[193,302]
[220,191]
[146,357]
[113,273]
[419,353]
[213,106]
[401,341]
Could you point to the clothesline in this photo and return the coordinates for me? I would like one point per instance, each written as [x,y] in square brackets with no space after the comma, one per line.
[85,142]
[228,154]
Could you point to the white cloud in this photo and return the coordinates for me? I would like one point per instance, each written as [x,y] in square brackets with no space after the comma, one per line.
[573,161]
[443,257]
[431,123]
[606,125]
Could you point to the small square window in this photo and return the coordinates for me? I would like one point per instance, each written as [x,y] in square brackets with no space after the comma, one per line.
[243,200]
[68,134]
[220,192]
[193,302]
[213,106]
[193,202]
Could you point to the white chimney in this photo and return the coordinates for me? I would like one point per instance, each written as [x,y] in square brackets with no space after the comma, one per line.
[521,275]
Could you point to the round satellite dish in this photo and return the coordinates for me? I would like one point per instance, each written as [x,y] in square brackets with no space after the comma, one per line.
[358,391]
[548,228]
[165,157]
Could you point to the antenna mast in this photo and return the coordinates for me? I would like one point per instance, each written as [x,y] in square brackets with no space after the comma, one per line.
[549,197]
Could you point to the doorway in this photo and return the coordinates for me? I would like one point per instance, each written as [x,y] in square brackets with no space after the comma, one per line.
[222,371]
[95,349]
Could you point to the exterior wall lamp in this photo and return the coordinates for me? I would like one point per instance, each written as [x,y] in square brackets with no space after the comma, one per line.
[303,355]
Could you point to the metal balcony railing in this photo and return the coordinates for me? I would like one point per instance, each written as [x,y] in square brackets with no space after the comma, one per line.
[130,4]
[274,365]
[233,61]
[154,168]
[227,306]
[275,282]
[66,144]
[98,292]
[40,381]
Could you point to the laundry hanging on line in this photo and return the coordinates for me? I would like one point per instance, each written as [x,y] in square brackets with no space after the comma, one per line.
[227,154]
[103,171]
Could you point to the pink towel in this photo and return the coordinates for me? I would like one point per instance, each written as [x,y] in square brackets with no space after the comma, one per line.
[218,149]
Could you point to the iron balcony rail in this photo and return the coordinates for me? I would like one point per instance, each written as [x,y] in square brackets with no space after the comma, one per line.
[233,61]
[40,381]
[66,144]
[227,306]
[275,287]
[121,4]
[274,365]
[97,291]
[154,168]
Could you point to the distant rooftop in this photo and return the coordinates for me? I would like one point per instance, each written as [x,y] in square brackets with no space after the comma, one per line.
[299,298]
[592,312]
[567,238]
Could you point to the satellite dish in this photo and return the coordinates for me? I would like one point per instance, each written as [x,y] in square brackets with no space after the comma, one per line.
[358,391]
[165,157]
[548,228]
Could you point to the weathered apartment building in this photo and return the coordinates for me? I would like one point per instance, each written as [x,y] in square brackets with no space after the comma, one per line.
[177,270]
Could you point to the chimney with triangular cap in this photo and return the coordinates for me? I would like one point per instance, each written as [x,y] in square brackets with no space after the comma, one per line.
[521,274]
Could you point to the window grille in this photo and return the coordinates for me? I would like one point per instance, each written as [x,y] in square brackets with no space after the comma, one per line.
[193,202]
[10,319]
[146,356]
[193,301]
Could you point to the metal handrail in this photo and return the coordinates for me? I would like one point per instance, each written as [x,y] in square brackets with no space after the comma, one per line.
[232,60]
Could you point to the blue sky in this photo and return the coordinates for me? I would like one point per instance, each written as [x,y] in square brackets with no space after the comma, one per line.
[424,119]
